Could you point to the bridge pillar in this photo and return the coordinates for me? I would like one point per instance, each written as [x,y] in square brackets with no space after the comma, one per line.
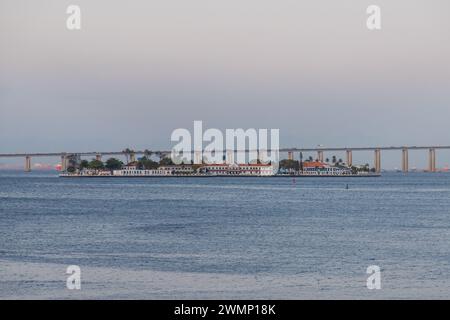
[27,164]
[320,155]
[377,161]
[198,157]
[230,157]
[349,158]
[290,155]
[98,157]
[432,160]
[64,161]
[405,160]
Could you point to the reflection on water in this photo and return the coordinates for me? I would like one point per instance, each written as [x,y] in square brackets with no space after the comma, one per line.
[225,237]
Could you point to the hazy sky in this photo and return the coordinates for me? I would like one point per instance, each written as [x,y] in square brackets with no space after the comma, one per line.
[139,69]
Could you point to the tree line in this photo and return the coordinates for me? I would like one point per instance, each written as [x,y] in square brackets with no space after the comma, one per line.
[115,164]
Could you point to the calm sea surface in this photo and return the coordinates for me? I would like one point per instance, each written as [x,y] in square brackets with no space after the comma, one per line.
[224,237]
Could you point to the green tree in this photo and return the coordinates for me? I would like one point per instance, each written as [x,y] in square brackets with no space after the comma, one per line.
[128,152]
[289,164]
[165,162]
[113,164]
[71,169]
[147,153]
[96,165]
[146,163]
[333,159]
[84,164]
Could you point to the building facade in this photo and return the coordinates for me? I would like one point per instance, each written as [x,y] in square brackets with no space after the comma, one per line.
[237,169]
[321,168]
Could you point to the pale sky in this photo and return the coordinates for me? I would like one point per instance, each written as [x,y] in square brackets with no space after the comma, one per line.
[139,69]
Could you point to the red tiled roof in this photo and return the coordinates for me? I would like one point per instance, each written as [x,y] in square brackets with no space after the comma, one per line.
[313,164]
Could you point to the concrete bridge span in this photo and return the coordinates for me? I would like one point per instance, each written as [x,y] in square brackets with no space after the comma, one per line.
[130,154]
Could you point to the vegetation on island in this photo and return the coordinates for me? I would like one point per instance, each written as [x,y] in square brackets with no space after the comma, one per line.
[112,164]
[146,163]
[288,165]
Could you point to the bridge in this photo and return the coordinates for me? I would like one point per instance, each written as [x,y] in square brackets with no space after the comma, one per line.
[290,152]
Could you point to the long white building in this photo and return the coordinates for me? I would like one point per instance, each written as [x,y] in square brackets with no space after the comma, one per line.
[207,170]
[237,169]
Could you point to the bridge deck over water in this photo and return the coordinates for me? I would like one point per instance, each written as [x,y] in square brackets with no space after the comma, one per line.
[290,151]
[162,152]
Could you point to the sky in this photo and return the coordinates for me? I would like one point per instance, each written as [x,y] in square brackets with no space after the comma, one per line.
[139,69]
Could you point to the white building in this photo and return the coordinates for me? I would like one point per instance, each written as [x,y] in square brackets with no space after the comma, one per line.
[139,172]
[321,168]
[237,169]
[132,170]
[178,169]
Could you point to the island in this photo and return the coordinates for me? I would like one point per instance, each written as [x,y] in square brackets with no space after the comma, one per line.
[146,167]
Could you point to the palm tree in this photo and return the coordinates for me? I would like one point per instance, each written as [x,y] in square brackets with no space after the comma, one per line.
[333,159]
[327,160]
[301,162]
[147,153]
[128,152]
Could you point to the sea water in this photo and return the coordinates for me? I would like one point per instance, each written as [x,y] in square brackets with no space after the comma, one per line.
[213,238]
